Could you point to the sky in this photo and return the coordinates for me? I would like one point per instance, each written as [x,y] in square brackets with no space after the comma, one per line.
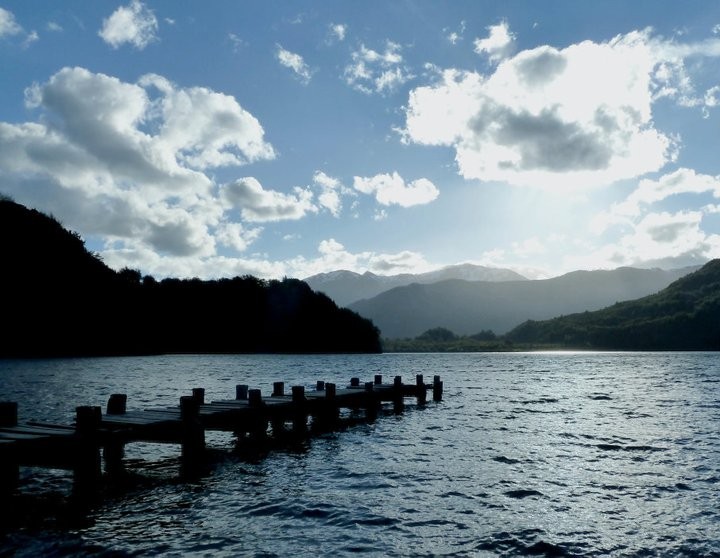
[214,139]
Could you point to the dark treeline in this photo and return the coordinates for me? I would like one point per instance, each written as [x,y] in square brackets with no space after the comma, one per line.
[60,300]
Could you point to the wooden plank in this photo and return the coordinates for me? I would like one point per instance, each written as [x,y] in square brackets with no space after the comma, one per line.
[37,430]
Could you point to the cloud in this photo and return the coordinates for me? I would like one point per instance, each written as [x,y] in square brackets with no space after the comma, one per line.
[259,205]
[8,25]
[390,189]
[135,154]
[331,192]
[453,37]
[237,236]
[295,62]
[498,43]
[337,32]
[568,118]
[134,24]
[54,26]
[375,72]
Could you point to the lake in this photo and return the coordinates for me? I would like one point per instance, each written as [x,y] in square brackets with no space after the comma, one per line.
[556,454]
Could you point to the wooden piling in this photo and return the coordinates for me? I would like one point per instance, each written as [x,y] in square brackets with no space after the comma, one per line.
[421,394]
[8,413]
[320,386]
[398,396]
[278,389]
[355,382]
[437,388]
[87,466]
[117,404]
[198,395]
[378,379]
[192,433]
[241,392]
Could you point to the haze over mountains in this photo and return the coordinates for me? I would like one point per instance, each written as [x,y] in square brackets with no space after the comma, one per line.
[346,287]
[467,307]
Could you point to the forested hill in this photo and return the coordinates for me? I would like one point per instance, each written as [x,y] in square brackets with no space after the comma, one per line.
[60,300]
[683,316]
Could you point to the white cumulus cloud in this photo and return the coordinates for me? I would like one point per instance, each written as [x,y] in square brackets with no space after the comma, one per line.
[377,72]
[498,43]
[259,205]
[8,24]
[134,24]
[557,118]
[391,189]
[295,62]
[127,161]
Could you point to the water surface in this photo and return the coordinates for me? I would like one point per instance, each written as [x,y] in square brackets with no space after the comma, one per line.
[576,454]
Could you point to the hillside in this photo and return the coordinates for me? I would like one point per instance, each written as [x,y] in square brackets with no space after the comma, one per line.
[684,316]
[469,307]
[346,287]
[59,299]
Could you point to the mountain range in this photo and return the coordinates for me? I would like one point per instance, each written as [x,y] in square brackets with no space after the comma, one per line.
[468,307]
[346,287]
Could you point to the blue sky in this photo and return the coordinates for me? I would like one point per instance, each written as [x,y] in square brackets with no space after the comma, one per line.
[290,138]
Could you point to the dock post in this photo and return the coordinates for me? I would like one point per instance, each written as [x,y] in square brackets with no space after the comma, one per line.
[9,464]
[8,413]
[328,413]
[378,379]
[87,467]
[114,448]
[117,404]
[241,392]
[198,395]
[437,388]
[299,411]
[371,402]
[320,386]
[398,396]
[258,420]
[278,389]
[354,382]
[420,389]
[193,433]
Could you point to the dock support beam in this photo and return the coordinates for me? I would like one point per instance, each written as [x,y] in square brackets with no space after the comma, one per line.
[87,467]
[193,433]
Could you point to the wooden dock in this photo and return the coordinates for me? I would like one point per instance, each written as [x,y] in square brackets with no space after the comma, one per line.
[251,416]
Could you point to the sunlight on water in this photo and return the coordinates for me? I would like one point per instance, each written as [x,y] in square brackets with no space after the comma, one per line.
[577,454]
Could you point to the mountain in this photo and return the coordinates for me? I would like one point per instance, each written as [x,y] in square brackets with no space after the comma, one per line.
[61,300]
[684,316]
[466,307]
[346,287]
